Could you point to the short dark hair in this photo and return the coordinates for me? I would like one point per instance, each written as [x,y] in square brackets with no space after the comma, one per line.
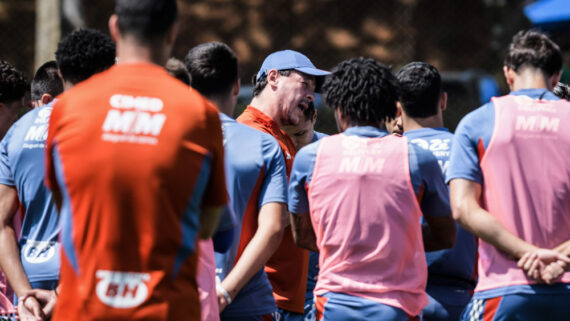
[535,49]
[13,84]
[147,20]
[420,89]
[178,70]
[213,67]
[259,85]
[83,53]
[46,81]
[363,89]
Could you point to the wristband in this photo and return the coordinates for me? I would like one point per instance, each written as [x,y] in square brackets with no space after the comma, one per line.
[225,293]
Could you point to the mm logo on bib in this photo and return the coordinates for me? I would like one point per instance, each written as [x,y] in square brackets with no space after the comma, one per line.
[36,252]
[122,290]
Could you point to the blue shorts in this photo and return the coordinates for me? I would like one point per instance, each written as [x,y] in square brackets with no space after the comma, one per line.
[446,303]
[343,307]
[284,315]
[520,307]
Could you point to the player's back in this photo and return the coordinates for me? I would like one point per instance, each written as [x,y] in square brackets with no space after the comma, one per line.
[369,245]
[135,154]
[22,166]
[527,188]
[255,175]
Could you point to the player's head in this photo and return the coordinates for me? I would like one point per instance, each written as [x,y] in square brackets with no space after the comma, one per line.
[178,70]
[362,91]
[562,90]
[214,70]
[288,79]
[83,53]
[533,50]
[147,23]
[420,89]
[13,88]
[303,133]
[46,84]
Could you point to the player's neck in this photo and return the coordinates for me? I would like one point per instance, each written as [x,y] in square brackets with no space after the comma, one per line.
[129,51]
[529,78]
[434,121]
[267,106]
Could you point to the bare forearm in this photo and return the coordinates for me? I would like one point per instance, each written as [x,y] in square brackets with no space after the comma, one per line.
[303,232]
[253,258]
[10,261]
[465,196]
[564,248]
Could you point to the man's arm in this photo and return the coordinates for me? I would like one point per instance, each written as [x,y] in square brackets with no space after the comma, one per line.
[272,221]
[465,196]
[303,232]
[209,218]
[9,250]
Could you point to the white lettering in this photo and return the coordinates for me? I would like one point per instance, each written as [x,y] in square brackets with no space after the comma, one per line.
[549,124]
[119,122]
[36,252]
[361,165]
[37,133]
[525,123]
[148,124]
[122,289]
[139,103]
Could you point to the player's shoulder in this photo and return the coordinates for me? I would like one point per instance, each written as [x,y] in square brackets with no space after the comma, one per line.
[477,117]
[308,153]
[422,158]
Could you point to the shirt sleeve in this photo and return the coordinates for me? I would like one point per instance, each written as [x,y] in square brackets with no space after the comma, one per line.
[6,177]
[428,182]
[301,174]
[471,138]
[274,187]
[215,194]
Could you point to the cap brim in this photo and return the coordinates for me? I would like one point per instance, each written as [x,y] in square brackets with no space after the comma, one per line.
[313,71]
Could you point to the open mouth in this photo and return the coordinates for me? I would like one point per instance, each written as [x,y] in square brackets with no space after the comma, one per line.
[303,105]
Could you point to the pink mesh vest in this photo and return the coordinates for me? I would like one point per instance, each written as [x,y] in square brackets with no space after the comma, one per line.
[206,277]
[526,171]
[366,220]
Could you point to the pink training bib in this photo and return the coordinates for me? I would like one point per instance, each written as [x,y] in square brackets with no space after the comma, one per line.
[206,277]
[367,221]
[526,171]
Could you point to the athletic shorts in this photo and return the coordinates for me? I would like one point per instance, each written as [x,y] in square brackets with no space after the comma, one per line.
[520,307]
[343,307]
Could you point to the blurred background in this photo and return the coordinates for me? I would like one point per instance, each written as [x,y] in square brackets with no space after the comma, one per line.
[465,40]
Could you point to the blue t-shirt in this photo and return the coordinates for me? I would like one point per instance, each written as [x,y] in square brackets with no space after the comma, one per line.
[471,139]
[313,273]
[22,159]
[425,175]
[255,176]
[456,266]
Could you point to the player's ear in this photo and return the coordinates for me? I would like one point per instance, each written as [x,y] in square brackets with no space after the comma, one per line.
[554,79]
[46,99]
[272,77]
[509,76]
[172,33]
[443,101]
[399,109]
[236,87]
[114,27]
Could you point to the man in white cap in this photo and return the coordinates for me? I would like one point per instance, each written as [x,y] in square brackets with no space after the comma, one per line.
[283,88]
